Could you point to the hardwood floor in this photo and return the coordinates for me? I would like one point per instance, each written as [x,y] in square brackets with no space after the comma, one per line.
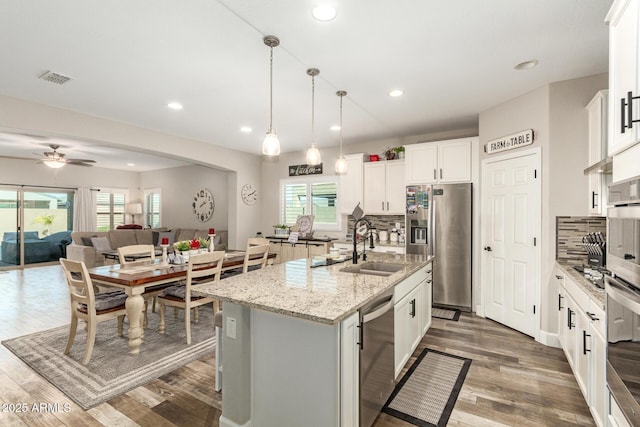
[513,380]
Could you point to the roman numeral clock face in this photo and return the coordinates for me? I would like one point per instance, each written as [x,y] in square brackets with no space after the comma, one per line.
[249,194]
[203,205]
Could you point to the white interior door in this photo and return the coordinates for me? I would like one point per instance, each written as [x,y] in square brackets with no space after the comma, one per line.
[510,230]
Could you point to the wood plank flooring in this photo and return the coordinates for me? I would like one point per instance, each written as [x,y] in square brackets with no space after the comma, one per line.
[513,380]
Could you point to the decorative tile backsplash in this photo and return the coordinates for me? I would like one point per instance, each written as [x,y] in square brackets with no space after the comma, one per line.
[569,233]
[381,222]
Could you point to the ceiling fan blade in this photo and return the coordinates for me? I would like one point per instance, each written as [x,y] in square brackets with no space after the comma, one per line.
[79,161]
[79,164]
[17,158]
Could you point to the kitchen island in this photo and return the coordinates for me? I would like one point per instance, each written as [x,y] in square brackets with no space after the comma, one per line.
[289,346]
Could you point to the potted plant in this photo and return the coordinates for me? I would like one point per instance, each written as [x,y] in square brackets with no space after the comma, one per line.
[182,246]
[399,152]
[281,229]
[46,221]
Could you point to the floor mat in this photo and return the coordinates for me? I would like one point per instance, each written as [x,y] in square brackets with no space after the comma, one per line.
[445,313]
[427,393]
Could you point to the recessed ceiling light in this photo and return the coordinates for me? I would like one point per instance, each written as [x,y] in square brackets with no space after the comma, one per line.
[131,164]
[335,128]
[175,106]
[396,92]
[245,129]
[526,65]
[324,12]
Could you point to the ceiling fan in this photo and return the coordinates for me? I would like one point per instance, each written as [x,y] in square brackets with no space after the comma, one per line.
[55,159]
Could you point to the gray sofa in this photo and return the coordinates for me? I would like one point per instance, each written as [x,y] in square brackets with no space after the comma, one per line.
[81,248]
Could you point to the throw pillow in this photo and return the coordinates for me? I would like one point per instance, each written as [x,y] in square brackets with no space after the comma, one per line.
[86,241]
[101,244]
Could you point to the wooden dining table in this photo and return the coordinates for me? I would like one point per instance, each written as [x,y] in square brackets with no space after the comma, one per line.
[137,276]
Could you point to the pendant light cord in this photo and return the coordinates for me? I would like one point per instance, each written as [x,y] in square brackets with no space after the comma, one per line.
[271,90]
[341,96]
[313,91]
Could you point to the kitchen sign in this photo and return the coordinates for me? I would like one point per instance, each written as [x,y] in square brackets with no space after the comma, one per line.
[509,142]
[299,170]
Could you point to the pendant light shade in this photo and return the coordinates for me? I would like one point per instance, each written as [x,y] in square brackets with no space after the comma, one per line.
[313,155]
[341,162]
[271,143]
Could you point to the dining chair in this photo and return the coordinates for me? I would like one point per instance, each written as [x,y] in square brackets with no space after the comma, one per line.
[87,305]
[255,256]
[257,241]
[204,267]
[142,252]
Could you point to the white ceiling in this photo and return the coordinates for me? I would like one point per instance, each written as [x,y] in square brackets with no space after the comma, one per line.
[128,59]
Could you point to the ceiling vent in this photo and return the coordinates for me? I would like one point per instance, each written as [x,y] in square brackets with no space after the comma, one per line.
[56,78]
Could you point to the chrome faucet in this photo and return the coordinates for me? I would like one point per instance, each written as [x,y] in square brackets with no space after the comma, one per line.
[364,241]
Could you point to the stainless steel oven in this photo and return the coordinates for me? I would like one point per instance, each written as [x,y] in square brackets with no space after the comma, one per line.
[623,298]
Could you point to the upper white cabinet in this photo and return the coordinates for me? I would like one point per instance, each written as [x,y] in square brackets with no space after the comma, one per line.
[351,183]
[442,161]
[384,189]
[623,21]
[597,111]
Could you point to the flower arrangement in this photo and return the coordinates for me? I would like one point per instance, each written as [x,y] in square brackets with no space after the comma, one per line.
[281,229]
[182,245]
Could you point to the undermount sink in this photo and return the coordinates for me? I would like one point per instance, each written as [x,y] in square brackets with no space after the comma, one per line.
[374,268]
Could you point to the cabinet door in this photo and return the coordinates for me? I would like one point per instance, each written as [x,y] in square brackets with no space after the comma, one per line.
[317,249]
[351,184]
[374,188]
[454,161]
[426,305]
[582,355]
[415,318]
[598,376]
[623,57]
[349,371]
[597,110]
[571,334]
[595,194]
[422,163]
[402,343]
[395,188]
[275,247]
[562,307]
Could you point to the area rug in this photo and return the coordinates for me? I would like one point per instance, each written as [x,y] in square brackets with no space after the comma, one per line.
[427,393]
[445,313]
[112,370]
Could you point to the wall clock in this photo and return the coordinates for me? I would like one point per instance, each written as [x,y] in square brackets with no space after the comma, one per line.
[203,205]
[249,194]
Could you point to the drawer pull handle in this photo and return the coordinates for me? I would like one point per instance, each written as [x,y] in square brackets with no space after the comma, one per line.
[592,316]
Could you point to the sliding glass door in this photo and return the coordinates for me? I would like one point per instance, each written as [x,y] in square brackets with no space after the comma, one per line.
[35,224]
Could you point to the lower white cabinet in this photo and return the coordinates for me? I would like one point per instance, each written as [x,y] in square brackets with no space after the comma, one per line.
[389,249]
[412,315]
[581,332]
[349,371]
[286,251]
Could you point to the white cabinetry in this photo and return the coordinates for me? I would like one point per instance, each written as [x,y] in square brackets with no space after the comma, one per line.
[581,331]
[442,161]
[411,318]
[597,110]
[384,190]
[623,74]
[351,183]
[349,374]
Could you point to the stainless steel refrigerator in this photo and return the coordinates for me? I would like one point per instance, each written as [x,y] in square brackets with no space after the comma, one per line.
[438,222]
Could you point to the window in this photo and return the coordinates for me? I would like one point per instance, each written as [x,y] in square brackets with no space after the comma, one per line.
[110,208]
[315,196]
[152,208]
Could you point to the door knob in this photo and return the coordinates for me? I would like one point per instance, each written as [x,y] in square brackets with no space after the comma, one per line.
[488,248]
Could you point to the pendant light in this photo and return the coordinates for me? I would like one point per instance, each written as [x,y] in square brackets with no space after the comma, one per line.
[271,144]
[313,155]
[341,163]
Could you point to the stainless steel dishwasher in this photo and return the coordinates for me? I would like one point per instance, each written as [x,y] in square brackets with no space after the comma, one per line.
[376,357]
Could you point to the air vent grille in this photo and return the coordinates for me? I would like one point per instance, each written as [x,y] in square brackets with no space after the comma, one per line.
[56,78]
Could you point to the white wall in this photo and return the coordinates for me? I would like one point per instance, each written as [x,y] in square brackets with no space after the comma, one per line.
[178,187]
[23,116]
[557,116]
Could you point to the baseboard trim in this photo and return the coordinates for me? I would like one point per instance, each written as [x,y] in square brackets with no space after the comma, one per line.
[550,339]
[225,422]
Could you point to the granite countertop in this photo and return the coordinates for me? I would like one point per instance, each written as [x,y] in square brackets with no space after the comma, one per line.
[323,294]
[594,292]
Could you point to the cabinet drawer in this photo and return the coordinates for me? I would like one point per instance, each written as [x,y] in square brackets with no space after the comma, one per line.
[407,285]
[597,315]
